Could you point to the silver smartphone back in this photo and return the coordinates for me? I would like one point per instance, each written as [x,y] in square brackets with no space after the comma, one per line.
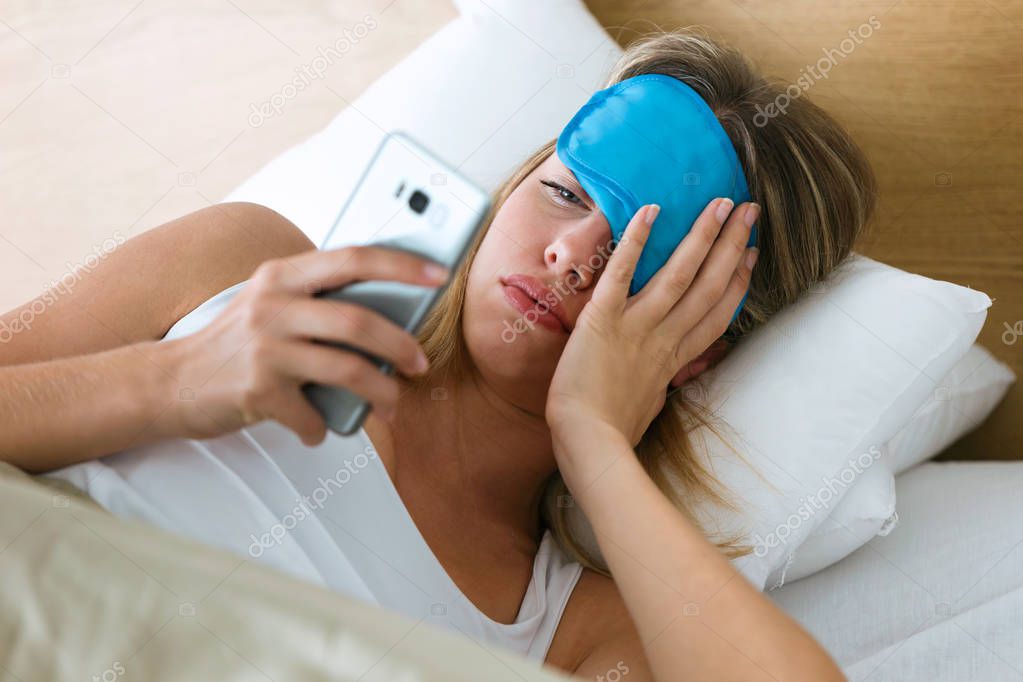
[407,199]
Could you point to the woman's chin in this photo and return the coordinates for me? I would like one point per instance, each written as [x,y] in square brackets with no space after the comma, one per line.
[530,356]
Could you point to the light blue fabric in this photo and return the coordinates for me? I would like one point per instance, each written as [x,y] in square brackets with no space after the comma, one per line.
[652,139]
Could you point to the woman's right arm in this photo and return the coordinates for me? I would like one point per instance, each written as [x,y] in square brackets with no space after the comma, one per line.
[247,365]
[80,373]
[139,289]
[60,412]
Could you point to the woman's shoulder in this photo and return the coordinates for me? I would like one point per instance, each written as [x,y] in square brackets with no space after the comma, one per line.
[595,615]
[141,286]
[223,245]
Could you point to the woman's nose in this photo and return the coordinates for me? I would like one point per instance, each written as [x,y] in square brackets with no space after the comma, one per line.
[578,255]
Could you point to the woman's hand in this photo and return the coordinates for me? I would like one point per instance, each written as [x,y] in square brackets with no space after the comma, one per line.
[624,351]
[609,385]
[250,362]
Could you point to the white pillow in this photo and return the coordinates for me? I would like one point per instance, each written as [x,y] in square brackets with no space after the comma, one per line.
[502,79]
[963,399]
[865,511]
[811,398]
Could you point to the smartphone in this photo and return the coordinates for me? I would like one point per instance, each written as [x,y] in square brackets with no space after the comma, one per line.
[407,199]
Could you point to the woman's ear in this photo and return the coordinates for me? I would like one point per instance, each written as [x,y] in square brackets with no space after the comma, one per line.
[701,363]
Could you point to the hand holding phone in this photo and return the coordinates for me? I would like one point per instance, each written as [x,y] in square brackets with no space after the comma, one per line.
[253,358]
[410,202]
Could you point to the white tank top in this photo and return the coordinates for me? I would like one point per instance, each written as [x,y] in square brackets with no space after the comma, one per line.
[329,514]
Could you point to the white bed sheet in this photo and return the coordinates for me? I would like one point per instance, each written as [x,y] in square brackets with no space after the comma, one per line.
[940,599]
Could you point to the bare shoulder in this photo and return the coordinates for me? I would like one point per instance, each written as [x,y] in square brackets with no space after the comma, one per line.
[138,290]
[225,244]
[597,632]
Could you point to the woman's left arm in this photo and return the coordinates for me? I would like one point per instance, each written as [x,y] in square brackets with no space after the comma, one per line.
[696,616]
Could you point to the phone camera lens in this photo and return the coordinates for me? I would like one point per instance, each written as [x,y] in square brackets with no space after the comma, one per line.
[418,201]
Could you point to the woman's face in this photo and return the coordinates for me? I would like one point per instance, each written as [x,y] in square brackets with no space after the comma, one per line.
[548,233]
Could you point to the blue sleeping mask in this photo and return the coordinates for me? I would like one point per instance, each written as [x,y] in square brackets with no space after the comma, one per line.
[651,139]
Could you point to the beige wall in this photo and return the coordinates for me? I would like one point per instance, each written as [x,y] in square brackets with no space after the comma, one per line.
[935,96]
[118,116]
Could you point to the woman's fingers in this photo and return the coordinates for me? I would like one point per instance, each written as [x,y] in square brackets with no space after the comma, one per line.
[315,271]
[673,279]
[296,413]
[613,286]
[317,363]
[715,322]
[715,273]
[325,319]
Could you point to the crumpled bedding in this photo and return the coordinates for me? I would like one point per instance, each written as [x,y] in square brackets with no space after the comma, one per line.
[89,596]
[940,599]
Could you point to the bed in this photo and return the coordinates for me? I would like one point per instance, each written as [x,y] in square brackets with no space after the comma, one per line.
[87,595]
[154,103]
[941,597]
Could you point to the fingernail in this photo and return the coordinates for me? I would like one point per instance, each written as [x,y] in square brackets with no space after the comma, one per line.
[438,273]
[724,208]
[422,363]
[651,214]
[752,211]
[751,256]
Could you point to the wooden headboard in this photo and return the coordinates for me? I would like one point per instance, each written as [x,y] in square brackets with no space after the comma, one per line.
[933,95]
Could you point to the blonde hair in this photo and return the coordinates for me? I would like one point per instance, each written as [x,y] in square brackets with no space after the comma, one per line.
[817,192]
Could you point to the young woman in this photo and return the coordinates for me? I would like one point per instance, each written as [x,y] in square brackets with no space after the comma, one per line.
[455,511]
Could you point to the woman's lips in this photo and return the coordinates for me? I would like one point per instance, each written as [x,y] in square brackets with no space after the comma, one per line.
[528,306]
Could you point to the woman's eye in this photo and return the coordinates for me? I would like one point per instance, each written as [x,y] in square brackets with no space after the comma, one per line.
[561,194]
